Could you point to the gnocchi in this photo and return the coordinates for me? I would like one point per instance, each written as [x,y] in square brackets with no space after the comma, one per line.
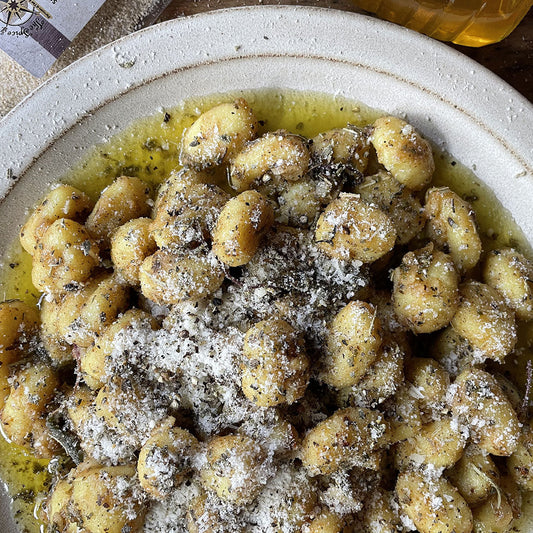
[104,499]
[64,258]
[63,201]
[349,228]
[343,438]
[131,244]
[353,343]
[187,215]
[278,155]
[347,147]
[403,152]
[232,463]
[169,449]
[19,323]
[104,299]
[23,417]
[167,278]
[240,226]
[94,361]
[295,334]
[475,475]
[484,320]
[275,370]
[479,399]
[396,201]
[511,274]
[433,506]
[218,135]
[451,226]
[519,463]
[425,293]
[125,199]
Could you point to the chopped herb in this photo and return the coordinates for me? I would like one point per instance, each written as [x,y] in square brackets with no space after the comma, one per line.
[152,144]
[131,170]
[27,496]
[57,425]
[471,198]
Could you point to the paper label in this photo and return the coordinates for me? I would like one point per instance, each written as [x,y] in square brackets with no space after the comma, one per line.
[35,33]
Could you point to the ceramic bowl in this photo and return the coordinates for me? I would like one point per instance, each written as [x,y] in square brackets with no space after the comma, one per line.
[463,107]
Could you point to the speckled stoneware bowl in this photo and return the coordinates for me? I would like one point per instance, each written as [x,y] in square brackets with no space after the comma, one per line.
[451,99]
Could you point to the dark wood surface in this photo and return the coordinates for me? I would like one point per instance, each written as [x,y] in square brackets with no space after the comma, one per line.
[511,59]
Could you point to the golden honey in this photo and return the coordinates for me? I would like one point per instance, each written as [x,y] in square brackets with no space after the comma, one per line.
[466,22]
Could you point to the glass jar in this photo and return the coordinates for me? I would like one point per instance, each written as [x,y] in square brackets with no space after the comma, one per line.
[466,22]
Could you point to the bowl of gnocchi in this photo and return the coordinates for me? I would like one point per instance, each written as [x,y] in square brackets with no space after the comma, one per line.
[259,276]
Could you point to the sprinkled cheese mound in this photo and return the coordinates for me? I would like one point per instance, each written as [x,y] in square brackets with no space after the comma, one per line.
[307,348]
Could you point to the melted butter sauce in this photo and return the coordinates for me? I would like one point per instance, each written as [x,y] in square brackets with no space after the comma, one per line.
[149,149]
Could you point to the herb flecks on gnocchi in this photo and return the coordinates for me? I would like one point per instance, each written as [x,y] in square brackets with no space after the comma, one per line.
[290,334]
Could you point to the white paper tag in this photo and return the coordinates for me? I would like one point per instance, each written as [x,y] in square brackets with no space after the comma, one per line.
[35,33]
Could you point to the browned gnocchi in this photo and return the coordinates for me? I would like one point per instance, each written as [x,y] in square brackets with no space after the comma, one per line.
[353,343]
[511,274]
[125,199]
[278,155]
[64,258]
[425,293]
[484,320]
[241,224]
[452,226]
[276,368]
[349,228]
[403,152]
[218,135]
[131,244]
[63,201]
[297,332]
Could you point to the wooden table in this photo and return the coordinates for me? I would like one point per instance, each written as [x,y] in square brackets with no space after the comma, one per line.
[511,59]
